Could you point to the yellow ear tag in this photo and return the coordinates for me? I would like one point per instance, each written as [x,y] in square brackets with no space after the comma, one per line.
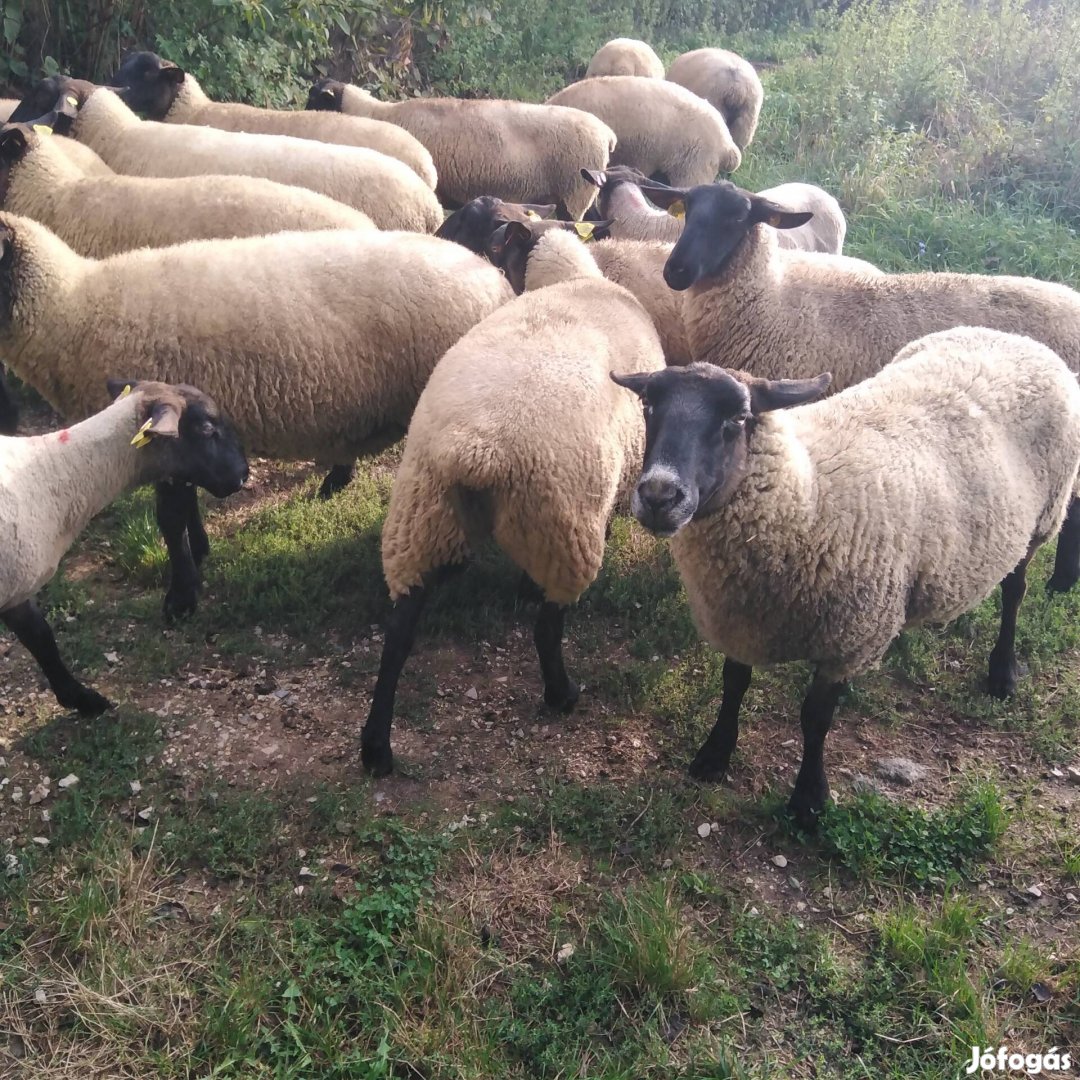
[142,436]
[43,129]
[72,101]
[584,229]
[124,392]
[774,220]
[532,215]
[677,209]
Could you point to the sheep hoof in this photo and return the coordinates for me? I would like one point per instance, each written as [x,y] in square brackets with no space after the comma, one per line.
[180,602]
[378,758]
[1002,683]
[85,702]
[806,811]
[338,478]
[707,769]
[563,700]
[1062,581]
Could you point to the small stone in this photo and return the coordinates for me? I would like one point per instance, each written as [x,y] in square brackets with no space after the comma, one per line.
[667,864]
[564,953]
[112,658]
[1072,774]
[1071,897]
[39,996]
[472,693]
[704,829]
[146,813]
[901,770]
[800,905]
[16,794]
[753,913]
[299,890]
[135,786]
[68,781]
[306,872]
[1035,891]
[779,860]
[827,892]
[11,864]
[1010,911]
[38,794]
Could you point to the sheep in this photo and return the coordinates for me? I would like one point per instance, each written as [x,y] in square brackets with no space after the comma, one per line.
[821,532]
[317,344]
[473,223]
[662,129]
[160,90]
[626,56]
[728,82]
[101,216]
[52,485]
[510,149]
[620,198]
[519,435]
[390,193]
[750,308]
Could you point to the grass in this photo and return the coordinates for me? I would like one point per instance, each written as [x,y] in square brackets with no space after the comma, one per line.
[540,900]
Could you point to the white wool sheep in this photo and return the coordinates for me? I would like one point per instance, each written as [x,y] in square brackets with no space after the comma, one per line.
[662,129]
[52,485]
[510,149]
[521,436]
[626,56]
[317,344]
[822,532]
[382,187]
[102,215]
[621,200]
[160,90]
[728,82]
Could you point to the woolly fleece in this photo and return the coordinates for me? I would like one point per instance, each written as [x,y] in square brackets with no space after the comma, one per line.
[661,128]
[903,500]
[728,82]
[625,56]
[316,344]
[515,151]
[389,192]
[518,434]
[99,216]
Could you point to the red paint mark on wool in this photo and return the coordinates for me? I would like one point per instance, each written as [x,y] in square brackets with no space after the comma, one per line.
[65,436]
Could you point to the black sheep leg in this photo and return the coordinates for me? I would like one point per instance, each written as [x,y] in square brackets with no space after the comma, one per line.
[1002,680]
[811,785]
[198,541]
[712,760]
[9,411]
[27,623]
[174,517]
[375,751]
[338,478]
[560,691]
[1067,560]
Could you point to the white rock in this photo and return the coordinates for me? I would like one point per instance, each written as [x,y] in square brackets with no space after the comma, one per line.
[471,693]
[1072,774]
[41,841]
[146,813]
[704,829]
[1035,891]
[564,953]
[39,996]
[135,786]
[68,781]
[299,890]
[112,658]
[38,794]
[779,860]
[11,864]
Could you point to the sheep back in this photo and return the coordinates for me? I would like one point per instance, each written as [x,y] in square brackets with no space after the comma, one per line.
[625,56]
[728,82]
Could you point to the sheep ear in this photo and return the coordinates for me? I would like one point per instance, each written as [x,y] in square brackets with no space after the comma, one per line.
[770,213]
[171,73]
[544,211]
[120,387]
[597,179]
[12,144]
[767,395]
[667,198]
[165,419]
[516,232]
[638,384]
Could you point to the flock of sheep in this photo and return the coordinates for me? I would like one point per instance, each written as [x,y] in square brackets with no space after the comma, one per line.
[598,319]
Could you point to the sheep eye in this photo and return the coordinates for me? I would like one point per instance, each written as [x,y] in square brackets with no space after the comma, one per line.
[206,430]
[732,427]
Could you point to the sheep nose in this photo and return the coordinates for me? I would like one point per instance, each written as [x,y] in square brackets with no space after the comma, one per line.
[677,277]
[660,493]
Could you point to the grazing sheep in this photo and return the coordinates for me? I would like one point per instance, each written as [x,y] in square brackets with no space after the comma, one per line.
[509,149]
[621,199]
[822,532]
[52,485]
[662,129]
[389,192]
[317,344]
[473,223]
[102,215]
[520,436]
[626,56]
[780,316]
[160,90]
[728,83]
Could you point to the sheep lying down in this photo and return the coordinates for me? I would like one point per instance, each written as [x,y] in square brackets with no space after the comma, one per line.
[52,485]
[819,532]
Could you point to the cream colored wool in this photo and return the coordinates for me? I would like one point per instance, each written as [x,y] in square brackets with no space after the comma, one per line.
[626,56]
[793,315]
[83,158]
[316,344]
[99,216]
[661,128]
[903,500]
[389,192]
[728,82]
[515,151]
[639,267]
[635,218]
[192,106]
[7,107]
[519,434]
[52,485]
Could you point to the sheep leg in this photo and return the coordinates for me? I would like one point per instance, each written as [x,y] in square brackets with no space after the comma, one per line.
[174,514]
[198,541]
[811,785]
[27,623]
[560,691]
[9,411]
[1003,673]
[711,761]
[1067,560]
[338,478]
